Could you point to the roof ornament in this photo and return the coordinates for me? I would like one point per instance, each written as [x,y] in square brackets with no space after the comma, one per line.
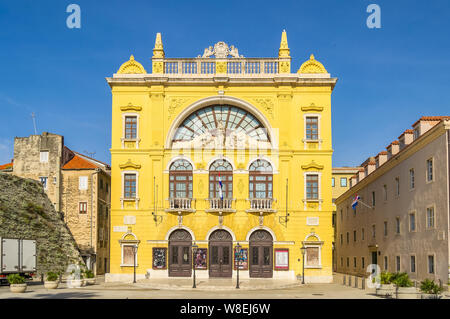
[221,50]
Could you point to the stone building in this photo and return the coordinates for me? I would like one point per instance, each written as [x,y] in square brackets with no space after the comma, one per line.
[77,185]
[401,222]
[217,151]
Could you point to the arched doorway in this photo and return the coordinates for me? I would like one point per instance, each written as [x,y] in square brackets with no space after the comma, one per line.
[220,254]
[180,253]
[261,254]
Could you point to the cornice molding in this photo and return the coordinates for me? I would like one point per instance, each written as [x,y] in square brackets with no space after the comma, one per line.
[312,108]
[131,107]
[129,164]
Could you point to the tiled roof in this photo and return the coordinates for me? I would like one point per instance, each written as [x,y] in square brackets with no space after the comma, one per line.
[432,119]
[6,166]
[77,162]
[382,153]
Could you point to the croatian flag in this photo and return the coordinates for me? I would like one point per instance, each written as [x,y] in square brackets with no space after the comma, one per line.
[355,202]
[220,188]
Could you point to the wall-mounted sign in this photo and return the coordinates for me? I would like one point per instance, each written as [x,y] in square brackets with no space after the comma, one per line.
[120,229]
[281,259]
[241,259]
[200,258]
[159,258]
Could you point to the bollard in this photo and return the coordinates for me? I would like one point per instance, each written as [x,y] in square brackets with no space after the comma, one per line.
[349,281]
[343,280]
[356,282]
[363,283]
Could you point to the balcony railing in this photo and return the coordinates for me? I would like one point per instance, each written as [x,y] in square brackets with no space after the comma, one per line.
[234,66]
[180,205]
[221,205]
[261,205]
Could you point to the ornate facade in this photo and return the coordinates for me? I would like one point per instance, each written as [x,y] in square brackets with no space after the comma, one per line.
[217,151]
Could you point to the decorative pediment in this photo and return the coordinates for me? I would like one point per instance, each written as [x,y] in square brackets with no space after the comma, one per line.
[221,50]
[312,108]
[131,107]
[312,165]
[312,66]
[130,164]
[132,67]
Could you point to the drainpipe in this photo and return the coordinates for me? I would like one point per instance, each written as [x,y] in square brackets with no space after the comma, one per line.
[92,213]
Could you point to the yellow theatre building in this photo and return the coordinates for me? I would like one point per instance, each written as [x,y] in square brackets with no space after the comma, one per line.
[221,161]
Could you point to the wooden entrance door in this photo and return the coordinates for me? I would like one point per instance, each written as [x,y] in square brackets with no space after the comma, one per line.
[261,254]
[180,254]
[220,254]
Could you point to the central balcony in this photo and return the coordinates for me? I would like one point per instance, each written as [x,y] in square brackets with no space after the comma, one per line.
[180,205]
[218,205]
[261,205]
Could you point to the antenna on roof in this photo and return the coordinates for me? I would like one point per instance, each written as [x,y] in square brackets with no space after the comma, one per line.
[90,154]
[33,116]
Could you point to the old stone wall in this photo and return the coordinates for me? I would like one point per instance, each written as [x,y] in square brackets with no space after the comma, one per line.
[27,212]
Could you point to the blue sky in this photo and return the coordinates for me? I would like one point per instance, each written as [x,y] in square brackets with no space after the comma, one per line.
[388,77]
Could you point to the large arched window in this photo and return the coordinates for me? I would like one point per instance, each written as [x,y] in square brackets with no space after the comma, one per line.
[220,119]
[260,179]
[221,171]
[180,179]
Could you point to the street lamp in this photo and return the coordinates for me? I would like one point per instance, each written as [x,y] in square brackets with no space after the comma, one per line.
[303,250]
[238,247]
[134,247]
[194,253]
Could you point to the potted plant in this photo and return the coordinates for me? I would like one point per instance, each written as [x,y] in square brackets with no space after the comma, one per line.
[75,281]
[52,280]
[404,287]
[386,288]
[430,290]
[17,283]
[90,277]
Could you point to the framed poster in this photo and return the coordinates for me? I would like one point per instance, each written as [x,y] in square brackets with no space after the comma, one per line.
[281,259]
[159,258]
[241,259]
[200,258]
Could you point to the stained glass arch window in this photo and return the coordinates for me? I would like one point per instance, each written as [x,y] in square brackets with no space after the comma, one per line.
[220,117]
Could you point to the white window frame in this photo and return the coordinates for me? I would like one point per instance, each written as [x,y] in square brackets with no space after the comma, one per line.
[398,263]
[43,159]
[122,245]
[412,213]
[434,264]
[399,223]
[333,182]
[415,264]
[137,139]
[122,198]
[412,179]
[319,120]
[319,191]
[385,228]
[80,178]
[346,181]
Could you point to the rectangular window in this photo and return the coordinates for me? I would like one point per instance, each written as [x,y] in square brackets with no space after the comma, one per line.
[431,264]
[348,262]
[354,235]
[342,262]
[83,207]
[362,234]
[43,157]
[373,231]
[397,259]
[312,186]
[332,182]
[386,263]
[101,183]
[348,237]
[362,262]
[342,214]
[397,186]
[397,225]
[413,263]
[127,255]
[82,183]
[312,256]
[385,192]
[129,187]
[343,182]
[411,178]
[130,127]
[412,222]
[430,217]
[354,262]
[430,170]
[385,228]
[312,128]
[43,180]
[373,198]
[342,239]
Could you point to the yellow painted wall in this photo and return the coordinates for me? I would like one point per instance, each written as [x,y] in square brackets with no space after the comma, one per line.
[281,105]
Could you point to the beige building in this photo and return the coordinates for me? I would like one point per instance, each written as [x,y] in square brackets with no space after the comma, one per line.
[78,186]
[401,222]
[340,183]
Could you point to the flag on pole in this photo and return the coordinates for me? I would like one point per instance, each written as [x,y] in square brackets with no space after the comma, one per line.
[220,188]
[355,202]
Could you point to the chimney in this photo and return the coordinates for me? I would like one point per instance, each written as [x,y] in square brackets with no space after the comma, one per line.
[361,174]
[406,138]
[393,148]
[380,159]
